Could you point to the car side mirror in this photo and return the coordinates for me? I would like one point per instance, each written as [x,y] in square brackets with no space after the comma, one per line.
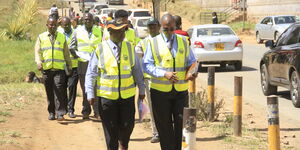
[270,43]
[269,23]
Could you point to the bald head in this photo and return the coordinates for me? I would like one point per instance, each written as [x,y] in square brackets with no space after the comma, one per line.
[88,21]
[66,24]
[168,25]
[51,25]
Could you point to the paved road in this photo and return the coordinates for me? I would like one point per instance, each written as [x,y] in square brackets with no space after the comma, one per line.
[251,87]
[251,77]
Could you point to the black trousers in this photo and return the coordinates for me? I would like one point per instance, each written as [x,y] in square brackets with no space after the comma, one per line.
[82,67]
[168,112]
[72,88]
[56,90]
[117,121]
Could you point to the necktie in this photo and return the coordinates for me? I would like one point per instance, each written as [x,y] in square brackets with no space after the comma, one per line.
[117,49]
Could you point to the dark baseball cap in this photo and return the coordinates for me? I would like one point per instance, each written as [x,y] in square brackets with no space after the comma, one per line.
[115,25]
[153,21]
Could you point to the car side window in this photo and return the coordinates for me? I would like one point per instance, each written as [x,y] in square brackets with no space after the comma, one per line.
[266,20]
[290,36]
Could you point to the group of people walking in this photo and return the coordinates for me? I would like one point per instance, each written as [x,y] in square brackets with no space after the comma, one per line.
[109,62]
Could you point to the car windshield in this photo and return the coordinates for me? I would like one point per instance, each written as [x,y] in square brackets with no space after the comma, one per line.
[108,11]
[101,6]
[142,22]
[285,19]
[141,14]
[214,31]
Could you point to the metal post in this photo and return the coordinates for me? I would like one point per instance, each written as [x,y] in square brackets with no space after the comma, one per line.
[273,122]
[237,106]
[189,129]
[244,14]
[211,92]
[192,91]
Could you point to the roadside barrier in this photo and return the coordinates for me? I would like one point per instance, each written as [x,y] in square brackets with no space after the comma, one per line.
[211,92]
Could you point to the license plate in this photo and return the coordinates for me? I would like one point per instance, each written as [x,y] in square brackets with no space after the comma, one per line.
[219,46]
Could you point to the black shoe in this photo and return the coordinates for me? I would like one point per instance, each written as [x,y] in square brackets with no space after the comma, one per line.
[51,116]
[155,139]
[71,115]
[85,117]
[60,118]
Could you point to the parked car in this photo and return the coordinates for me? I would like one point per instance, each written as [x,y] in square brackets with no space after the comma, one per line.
[140,26]
[134,13]
[103,14]
[97,7]
[216,44]
[280,66]
[271,27]
[117,2]
[87,5]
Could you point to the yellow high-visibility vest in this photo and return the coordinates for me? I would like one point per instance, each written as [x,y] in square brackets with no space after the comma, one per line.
[115,80]
[163,59]
[85,43]
[144,44]
[52,55]
[69,38]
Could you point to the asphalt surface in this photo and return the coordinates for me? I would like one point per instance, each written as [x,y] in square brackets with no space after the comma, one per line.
[252,93]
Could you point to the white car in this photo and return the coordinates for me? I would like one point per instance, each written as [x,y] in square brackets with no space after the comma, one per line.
[217,44]
[140,26]
[97,7]
[134,13]
[103,14]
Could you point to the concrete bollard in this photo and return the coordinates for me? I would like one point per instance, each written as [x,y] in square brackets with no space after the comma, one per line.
[192,92]
[211,92]
[189,129]
[237,106]
[273,122]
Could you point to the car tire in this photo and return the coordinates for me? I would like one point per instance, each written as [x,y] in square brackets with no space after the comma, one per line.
[295,89]
[267,88]
[238,65]
[258,39]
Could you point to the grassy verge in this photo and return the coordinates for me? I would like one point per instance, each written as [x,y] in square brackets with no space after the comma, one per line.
[238,26]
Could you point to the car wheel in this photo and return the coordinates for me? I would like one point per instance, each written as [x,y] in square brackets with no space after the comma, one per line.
[258,39]
[295,89]
[238,65]
[276,36]
[267,88]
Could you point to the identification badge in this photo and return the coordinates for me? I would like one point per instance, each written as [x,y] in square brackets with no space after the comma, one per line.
[181,51]
[126,67]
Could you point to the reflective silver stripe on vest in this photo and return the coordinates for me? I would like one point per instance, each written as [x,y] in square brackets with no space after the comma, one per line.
[113,89]
[50,60]
[50,48]
[84,44]
[186,48]
[130,53]
[167,82]
[156,49]
[102,63]
[113,77]
[171,69]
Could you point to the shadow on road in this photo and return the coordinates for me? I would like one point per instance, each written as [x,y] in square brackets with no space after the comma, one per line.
[284,94]
[217,138]
[141,139]
[227,69]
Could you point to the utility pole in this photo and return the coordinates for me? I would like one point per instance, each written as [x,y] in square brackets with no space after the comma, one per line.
[156,8]
[244,13]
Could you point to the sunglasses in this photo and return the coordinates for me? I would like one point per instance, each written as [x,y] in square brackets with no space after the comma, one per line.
[168,29]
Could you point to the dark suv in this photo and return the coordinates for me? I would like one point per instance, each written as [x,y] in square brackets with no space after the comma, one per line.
[280,66]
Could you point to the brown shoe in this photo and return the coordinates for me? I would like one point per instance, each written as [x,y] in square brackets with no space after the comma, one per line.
[60,118]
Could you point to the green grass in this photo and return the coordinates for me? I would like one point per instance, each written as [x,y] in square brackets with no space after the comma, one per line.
[5,113]
[2,120]
[238,26]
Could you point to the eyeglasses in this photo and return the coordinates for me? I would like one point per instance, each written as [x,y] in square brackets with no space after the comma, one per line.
[168,29]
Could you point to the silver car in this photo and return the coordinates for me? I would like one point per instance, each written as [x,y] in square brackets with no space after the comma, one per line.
[216,44]
[271,27]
